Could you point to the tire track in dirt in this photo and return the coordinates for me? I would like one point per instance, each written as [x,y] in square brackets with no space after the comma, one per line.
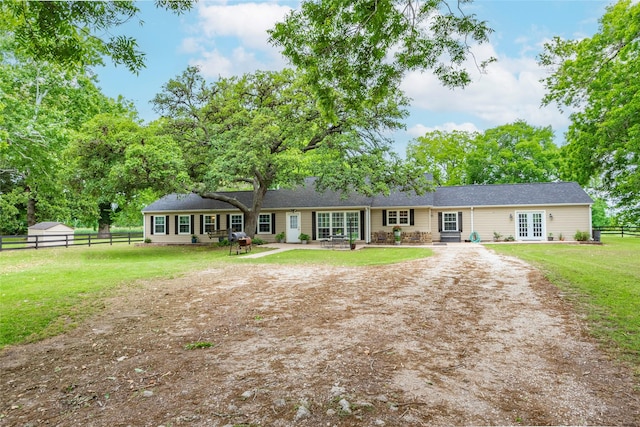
[463,337]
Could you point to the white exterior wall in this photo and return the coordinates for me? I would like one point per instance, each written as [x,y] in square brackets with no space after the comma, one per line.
[56,235]
[566,221]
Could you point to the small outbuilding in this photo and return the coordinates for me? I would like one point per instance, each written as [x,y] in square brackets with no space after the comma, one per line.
[50,234]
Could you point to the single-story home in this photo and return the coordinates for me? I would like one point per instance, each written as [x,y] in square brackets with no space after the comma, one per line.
[523,212]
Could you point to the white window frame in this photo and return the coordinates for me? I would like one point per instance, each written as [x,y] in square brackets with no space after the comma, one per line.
[447,223]
[182,224]
[398,217]
[156,224]
[267,223]
[209,223]
[233,220]
[331,223]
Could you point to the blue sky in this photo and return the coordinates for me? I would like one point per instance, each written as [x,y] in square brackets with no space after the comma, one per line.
[229,38]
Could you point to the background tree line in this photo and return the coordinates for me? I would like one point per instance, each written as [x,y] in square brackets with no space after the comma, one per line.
[69,153]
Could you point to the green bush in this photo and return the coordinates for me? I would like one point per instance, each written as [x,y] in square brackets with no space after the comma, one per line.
[581,236]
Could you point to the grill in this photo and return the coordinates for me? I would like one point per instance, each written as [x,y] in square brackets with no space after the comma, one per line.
[239,240]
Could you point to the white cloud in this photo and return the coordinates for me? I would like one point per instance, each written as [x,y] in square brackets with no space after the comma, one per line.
[420,129]
[510,90]
[232,39]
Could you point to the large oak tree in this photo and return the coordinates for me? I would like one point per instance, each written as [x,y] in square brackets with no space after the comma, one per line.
[264,129]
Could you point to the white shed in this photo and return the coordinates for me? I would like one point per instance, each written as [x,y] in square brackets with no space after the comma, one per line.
[50,234]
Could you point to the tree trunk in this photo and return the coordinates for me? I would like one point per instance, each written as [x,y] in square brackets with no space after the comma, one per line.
[31,209]
[104,230]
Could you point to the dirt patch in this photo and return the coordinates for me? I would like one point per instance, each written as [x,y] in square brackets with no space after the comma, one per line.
[464,337]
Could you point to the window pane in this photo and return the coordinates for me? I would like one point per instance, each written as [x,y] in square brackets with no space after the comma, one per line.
[450,221]
[324,224]
[159,225]
[209,223]
[392,217]
[403,217]
[264,223]
[184,224]
[337,223]
[236,222]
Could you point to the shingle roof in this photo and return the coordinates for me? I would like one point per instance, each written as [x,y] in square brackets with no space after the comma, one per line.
[543,193]
[46,225]
[469,195]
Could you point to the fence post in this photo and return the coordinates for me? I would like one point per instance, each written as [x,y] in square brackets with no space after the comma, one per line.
[36,241]
[128,235]
[110,239]
[89,239]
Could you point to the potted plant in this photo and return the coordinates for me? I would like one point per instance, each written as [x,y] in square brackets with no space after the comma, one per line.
[194,238]
[352,240]
[304,238]
[550,237]
[397,234]
[280,237]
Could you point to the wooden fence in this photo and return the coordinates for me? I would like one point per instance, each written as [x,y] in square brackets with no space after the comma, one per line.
[622,231]
[64,240]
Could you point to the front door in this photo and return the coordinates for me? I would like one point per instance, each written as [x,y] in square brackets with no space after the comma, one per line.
[530,226]
[293,227]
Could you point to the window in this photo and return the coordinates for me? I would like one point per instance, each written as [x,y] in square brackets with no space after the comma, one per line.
[159,226]
[398,217]
[209,223]
[264,224]
[236,222]
[184,224]
[337,223]
[449,221]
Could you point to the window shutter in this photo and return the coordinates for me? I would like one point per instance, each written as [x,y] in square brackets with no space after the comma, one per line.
[152,225]
[166,224]
[412,219]
[362,225]
[218,222]
[314,235]
[384,217]
[228,224]
[192,224]
[201,224]
[177,225]
[273,223]
[439,222]
[460,222]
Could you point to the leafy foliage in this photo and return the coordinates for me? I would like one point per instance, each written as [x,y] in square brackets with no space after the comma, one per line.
[72,33]
[264,129]
[598,79]
[512,153]
[352,52]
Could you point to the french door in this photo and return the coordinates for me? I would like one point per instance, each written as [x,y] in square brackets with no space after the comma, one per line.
[530,225]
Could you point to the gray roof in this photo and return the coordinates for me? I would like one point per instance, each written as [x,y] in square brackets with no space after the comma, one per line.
[550,193]
[541,193]
[46,225]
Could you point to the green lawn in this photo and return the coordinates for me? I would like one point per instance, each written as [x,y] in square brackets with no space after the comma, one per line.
[44,292]
[603,281]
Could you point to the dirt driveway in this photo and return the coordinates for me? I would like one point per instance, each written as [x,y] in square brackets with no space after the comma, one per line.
[466,337]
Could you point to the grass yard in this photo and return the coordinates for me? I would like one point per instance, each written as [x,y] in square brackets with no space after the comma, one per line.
[362,257]
[45,292]
[603,281]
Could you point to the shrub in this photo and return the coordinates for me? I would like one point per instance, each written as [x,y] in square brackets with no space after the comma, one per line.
[581,236]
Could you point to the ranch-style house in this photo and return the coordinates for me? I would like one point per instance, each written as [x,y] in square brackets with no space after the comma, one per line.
[522,212]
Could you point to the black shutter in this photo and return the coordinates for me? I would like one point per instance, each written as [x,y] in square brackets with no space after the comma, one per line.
[166,224]
[201,224]
[218,222]
[314,235]
[228,224]
[152,225]
[177,225]
[192,224]
[412,219]
[362,225]
[440,222]
[460,222]
[384,217]
[273,223]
